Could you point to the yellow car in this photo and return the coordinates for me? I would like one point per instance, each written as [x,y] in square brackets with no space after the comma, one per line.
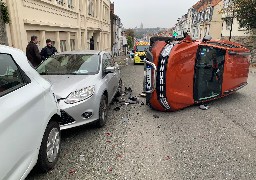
[140,52]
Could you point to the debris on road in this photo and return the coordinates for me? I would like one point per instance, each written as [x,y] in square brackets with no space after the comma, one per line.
[72,171]
[82,158]
[143,94]
[108,134]
[204,107]
[117,108]
[155,116]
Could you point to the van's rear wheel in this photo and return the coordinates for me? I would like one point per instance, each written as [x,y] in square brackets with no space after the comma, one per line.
[50,147]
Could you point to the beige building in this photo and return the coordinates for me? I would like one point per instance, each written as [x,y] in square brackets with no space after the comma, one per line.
[70,24]
[207,19]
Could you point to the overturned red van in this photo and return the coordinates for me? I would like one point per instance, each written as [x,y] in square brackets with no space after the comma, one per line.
[180,74]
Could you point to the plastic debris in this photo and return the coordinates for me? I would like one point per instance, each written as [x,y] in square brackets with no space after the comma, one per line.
[204,107]
[108,134]
[72,171]
[82,158]
[143,94]
[167,158]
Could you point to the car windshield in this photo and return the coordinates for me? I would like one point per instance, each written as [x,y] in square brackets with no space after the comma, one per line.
[70,64]
[142,48]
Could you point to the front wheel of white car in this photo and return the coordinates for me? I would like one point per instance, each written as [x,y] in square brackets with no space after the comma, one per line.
[50,147]
[103,112]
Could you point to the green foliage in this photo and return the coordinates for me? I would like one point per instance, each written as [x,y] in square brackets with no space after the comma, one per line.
[246,13]
[130,32]
[5,12]
[130,42]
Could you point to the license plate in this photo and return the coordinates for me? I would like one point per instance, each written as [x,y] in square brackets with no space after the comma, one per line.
[148,78]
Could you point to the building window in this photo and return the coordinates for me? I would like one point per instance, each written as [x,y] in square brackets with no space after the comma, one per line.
[63,46]
[70,4]
[72,44]
[90,8]
[61,2]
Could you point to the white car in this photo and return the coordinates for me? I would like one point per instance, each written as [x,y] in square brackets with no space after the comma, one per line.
[29,118]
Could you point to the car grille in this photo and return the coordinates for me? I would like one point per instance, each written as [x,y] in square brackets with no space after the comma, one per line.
[66,118]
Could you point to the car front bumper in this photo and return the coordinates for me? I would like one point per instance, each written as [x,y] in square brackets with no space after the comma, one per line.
[79,113]
[138,60]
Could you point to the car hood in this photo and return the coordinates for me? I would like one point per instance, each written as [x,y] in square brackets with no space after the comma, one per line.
[63,85]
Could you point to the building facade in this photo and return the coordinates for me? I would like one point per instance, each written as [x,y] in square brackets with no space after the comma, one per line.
[70,24]
[116,32]
[232,30]
[206,19]
[201,19]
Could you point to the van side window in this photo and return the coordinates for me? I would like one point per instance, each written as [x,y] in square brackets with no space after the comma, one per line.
[10,75]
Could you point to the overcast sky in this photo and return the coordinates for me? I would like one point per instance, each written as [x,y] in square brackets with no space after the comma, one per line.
[152,13]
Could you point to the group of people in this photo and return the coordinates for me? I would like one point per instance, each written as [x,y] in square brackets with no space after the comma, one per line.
[34,55]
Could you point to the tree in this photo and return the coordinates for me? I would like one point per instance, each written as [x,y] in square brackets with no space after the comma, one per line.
[130,42]
[4,19]
[130,32]
[245,11]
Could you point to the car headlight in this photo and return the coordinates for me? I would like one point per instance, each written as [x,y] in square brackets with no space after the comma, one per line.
[80,95]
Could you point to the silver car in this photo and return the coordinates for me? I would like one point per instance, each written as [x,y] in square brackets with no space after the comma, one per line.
[85,83]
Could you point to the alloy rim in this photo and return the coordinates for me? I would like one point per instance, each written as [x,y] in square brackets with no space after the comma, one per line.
[53,145]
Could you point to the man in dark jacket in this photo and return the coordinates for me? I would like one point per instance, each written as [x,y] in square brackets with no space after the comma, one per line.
[32,52]
[48,50]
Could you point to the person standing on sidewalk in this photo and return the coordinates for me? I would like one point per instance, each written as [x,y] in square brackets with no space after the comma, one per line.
[32,52]
[48,50]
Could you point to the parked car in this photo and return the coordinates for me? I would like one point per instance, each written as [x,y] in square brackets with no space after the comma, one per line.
[85,83]
[178,75]
[29,120]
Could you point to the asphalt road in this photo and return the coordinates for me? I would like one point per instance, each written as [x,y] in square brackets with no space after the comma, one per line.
[219,143]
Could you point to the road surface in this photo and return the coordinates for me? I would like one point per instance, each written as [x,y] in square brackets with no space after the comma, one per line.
[219,143]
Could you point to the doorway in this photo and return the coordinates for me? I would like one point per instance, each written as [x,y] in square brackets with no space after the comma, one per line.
[92,43]
[209,68]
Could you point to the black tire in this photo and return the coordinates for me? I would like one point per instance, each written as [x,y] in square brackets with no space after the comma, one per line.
[103,112]
[120,88]
[43,163]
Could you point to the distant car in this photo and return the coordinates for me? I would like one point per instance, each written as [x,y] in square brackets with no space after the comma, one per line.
[29,121]
[85,83]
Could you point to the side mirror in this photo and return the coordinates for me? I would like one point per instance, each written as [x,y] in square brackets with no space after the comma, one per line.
[110,70]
